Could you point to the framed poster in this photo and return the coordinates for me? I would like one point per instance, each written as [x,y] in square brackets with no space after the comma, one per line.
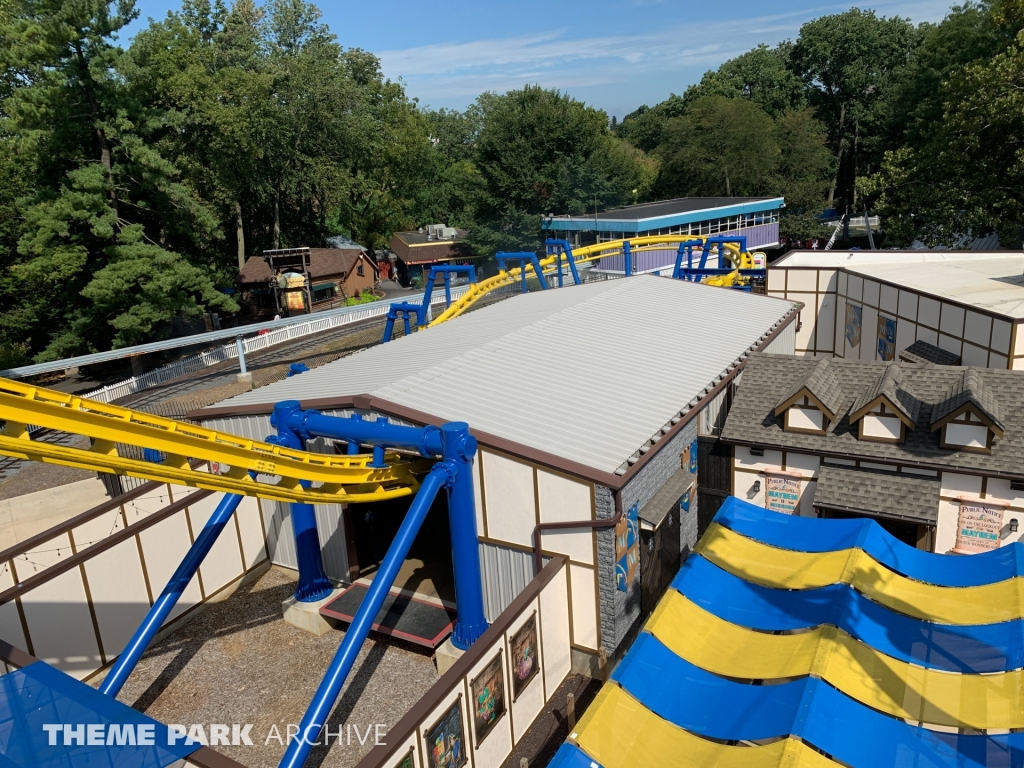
[782,493]
[853,314]
[525,661]
[407,761]
[886,338]
[627,548]
[488,691]
[446,741]
[978,527]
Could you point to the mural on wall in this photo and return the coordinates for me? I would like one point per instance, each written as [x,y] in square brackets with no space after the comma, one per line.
[978,527]
[853,314]
[488,692]
[627,548]
[886,338]
[684,501]
[782,493]
[446,741]
[525,661]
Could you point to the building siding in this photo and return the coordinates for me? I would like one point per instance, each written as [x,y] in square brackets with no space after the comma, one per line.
[621,610]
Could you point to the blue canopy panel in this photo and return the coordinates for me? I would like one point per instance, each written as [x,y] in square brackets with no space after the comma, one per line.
[966,649]
[715,707]
[39,695]
[805,534]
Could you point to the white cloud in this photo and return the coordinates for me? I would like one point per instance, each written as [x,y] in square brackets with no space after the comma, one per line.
[449,71]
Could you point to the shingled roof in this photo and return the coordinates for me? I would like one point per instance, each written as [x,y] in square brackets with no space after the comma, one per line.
[996,393]
[969,387]
[876,492]
[323,262]
[923,352]
[891,385]
[821,384]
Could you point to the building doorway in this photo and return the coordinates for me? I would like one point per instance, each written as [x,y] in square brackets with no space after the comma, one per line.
[917,535]
[714,479]
[427,572]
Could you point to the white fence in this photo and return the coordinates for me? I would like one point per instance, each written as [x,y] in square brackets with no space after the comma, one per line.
[135,384]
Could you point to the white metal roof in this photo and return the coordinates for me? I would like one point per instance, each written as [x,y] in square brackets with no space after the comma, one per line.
[588,372]
[993,281]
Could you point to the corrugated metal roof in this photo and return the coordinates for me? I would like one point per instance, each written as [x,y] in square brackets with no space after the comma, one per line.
[588,373]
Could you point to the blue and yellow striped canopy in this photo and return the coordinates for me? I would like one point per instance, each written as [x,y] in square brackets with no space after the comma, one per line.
[797,642]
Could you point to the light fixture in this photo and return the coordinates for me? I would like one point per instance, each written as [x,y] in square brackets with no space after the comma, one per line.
[757,486]
[1013,525]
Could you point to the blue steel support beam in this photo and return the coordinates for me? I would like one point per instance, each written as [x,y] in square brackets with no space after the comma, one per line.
[327,693]
[562,246]
[446,271]
[133,651]
[524,258]
[459,449]
[627,256]
[313,584]
[687,247]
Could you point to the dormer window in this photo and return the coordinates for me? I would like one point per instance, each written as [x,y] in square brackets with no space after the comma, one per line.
[805,416]
[812,404]
[886,410]
[969,417]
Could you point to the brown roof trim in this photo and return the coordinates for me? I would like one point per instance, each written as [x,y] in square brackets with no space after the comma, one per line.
[406,727]
[887,460]
[692,413]
[543,458]
[882,398]
[50,533]
[67,564]
[14,656]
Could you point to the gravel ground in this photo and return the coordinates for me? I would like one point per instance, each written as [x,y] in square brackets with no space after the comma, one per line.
[238,662]
[551,728]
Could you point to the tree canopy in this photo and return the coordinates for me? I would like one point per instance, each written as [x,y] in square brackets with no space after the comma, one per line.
[139,177]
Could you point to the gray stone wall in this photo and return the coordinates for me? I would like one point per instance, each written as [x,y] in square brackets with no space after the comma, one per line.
[621,610]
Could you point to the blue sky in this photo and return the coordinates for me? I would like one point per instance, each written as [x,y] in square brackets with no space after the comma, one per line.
[613,54]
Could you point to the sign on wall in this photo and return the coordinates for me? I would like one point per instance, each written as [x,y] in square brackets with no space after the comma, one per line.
[446,741]
[488,698]
[886,338]
[782,493]
[627,548]
[853,314]
[978,527]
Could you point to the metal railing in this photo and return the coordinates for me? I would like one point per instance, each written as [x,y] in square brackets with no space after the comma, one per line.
[211,357]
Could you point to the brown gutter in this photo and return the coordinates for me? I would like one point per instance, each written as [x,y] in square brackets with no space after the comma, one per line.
[538,555]
[14,656]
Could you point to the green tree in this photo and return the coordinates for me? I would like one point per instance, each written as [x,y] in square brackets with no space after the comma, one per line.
[848,61]
[107,212]
[719,146]
[968,177]
[762,75]
[540,151]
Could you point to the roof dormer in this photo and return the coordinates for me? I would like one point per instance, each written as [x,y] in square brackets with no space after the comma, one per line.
[813,403]
[968,416]
[885,410]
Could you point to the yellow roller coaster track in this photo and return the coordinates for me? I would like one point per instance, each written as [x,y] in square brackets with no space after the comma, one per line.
[548,266]
[278,471]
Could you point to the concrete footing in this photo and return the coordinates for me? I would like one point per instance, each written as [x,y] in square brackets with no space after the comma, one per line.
[245,378]
[446,656]
[306,616]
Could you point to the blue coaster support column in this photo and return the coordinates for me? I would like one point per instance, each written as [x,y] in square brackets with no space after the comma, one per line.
[118,674]
[459,449]
[557,248]
[456,448]
[313,584]
[627,257]
[525,258]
